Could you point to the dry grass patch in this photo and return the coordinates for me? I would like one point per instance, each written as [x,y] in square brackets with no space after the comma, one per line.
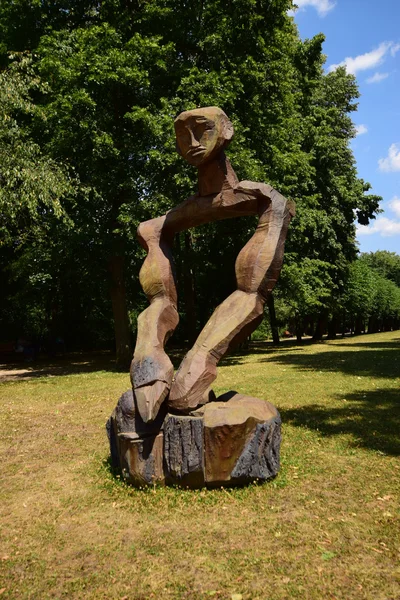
[326,527]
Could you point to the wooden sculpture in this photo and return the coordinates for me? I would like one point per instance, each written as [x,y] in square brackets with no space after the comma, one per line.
[202,135]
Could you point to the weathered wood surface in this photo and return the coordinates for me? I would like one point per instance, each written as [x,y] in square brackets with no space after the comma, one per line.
[125,418]
[260,458]
[202,135]
[231,441]
[183,450]
[142,459]
[231,438]
[231,323]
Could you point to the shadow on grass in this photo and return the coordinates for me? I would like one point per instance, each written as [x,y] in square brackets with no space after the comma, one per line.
[367,363]
[395,344]
[265,349]
[69,364]
[372,417]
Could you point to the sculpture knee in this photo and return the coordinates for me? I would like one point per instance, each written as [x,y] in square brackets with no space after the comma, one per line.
[150,231]
[245,273]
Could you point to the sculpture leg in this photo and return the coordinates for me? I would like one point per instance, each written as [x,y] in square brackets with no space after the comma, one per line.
[231,322]
[151,369]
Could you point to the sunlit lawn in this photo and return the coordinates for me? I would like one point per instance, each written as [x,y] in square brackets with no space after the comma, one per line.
[326,528]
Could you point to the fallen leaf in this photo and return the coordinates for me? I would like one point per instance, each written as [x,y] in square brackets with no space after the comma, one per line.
[328,555]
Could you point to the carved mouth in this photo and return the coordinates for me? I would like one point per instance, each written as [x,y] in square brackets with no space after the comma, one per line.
[196,151]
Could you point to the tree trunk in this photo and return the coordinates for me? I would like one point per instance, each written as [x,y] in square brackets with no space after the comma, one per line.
[372,325]
[272,319]
[358,326]
[189,290]
[332,328]
[123,342]
[344,323]
[320,327]
[299,328]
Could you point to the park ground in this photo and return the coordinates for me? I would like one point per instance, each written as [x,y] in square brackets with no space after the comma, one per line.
[326,528]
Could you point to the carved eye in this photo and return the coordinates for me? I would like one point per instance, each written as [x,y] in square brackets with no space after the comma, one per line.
[200,129]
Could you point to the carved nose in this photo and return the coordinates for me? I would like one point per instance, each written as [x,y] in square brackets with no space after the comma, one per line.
[193,142]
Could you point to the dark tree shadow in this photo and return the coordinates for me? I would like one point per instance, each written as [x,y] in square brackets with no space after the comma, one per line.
[264,349]
[373,345]
[367,363]
[372,417]
[68,364]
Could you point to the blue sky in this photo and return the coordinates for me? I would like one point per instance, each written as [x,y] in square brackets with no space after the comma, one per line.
[365,35]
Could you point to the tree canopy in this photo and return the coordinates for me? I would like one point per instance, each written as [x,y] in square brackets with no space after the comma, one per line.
[90,91]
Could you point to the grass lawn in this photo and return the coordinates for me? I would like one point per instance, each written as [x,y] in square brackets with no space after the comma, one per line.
[326,528]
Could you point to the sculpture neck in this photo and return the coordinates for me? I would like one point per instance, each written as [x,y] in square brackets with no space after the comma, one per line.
[216,175]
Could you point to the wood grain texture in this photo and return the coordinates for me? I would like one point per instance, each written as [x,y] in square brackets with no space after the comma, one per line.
[183,450]
[202,135]
[142,459]
[239,444]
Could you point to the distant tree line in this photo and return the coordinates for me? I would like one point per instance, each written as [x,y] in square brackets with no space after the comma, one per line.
[88,94]
[369,302]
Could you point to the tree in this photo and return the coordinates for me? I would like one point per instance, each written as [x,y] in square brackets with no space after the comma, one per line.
[387,264]
[358,296]
[32,184]
[324,229]
[113,76]
[113,91]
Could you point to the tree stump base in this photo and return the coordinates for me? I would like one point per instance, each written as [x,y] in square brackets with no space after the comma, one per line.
[232,441]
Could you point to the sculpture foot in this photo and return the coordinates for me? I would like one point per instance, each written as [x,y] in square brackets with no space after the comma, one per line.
[149,399]
[151,379]
[191,387]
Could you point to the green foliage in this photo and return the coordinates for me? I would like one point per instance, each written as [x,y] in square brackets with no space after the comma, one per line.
[387,264]
[370,296]
[32,184]
[361,288]
[307,286]
[90,112]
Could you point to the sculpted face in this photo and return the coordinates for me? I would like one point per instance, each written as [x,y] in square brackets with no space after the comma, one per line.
[202,133]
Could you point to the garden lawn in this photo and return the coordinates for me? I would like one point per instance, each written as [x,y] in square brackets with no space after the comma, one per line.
[326,528]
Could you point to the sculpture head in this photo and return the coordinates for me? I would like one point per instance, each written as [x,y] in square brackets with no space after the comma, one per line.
[202,133]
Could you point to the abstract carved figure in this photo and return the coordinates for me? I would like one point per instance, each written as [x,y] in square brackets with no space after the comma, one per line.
[202,135]
[170,429]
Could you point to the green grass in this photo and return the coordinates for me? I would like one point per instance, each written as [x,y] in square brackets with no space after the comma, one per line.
[326,528]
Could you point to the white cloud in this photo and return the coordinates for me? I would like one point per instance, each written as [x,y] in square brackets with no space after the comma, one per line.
[384,226]
[322,6]
[394,206]
[369,60]
[394,49]
[377,77]
[360,129]
[392,161]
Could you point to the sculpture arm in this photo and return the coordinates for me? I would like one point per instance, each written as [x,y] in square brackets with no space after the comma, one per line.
[259,263]
[151,369]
